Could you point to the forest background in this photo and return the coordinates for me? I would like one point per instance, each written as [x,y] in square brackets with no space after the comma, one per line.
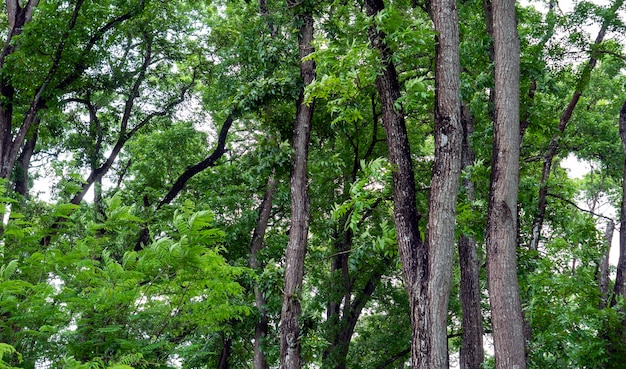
[245,196]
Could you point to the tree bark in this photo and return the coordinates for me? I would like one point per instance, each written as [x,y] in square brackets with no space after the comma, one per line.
[471,354]
[620,279]
[603,277]
[258,236]
[413,252]
[23,161]
[506,310]
[290,357]
[446,176]
[553,147]
[224,360]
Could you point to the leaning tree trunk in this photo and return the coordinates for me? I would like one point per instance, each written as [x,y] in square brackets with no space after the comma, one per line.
[296,248]
[471,353]
[506,310]
[412,250]
[444,185]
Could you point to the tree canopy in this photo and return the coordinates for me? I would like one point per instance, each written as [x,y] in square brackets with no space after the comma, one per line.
[305,184]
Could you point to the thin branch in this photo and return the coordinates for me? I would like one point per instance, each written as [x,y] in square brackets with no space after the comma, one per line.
[394,358]
[612,53]
[579,208]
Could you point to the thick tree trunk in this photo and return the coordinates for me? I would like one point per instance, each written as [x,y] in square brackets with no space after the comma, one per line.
[413,253]
[23,161]
[258,236]
[446,176]
[471,354]
[553,147]
[506,310]
[296,248]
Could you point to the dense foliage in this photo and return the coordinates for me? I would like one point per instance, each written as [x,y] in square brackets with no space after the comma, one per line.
[141,138]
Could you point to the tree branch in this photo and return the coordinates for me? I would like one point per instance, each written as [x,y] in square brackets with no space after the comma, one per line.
[569,202]
[210,161]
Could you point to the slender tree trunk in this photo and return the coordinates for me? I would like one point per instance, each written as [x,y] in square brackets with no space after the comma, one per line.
[224,360]
[616,334]
[620,278]
[340,294]
[603,277]
[347,300]
[296,248]
[471,354]
[553,147]
[413,253]
[258,236]
[506,310]
[446,176]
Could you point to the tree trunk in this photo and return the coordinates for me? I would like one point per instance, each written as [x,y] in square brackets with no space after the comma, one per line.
[413,253]
[296,248]
[23,162]
[224,360]
[506,310]
[620,278]
[260,331]
[471,353]
[446,176]
[603,277]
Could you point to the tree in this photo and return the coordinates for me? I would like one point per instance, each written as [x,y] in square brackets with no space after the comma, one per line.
[412,250]
[506,309]
[299,229]
[581,85]
[182,117]
[471,354]
[444,184]
[65,59]
[619,291]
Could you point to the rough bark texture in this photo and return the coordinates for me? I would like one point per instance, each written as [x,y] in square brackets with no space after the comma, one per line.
[258,236]
[620,278]
[413,253]
[23,162]
[446,176]
[296,248]
[471,353]
[553,146]
[506,310]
